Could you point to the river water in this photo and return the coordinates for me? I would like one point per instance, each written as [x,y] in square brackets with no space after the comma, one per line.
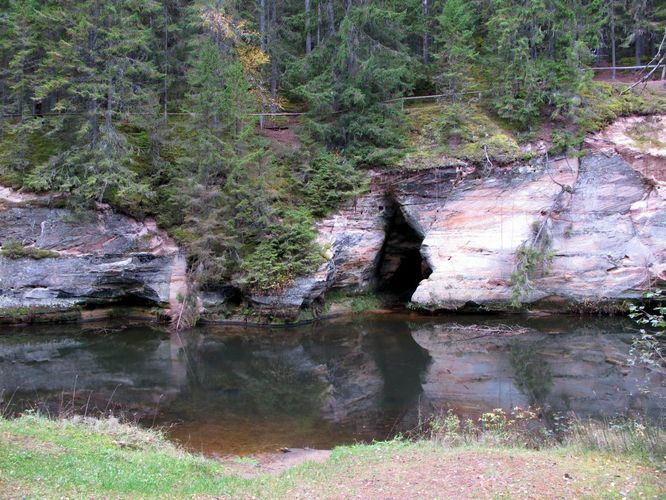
[235,390]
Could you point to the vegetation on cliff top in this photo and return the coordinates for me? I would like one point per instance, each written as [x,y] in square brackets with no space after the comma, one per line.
[152,106]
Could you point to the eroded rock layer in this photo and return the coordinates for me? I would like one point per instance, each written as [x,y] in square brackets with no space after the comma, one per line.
[97,258]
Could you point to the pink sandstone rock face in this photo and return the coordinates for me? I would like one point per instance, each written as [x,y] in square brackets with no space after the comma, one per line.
[604,217]
[351,240]
[640,140]
[606,225]
[471,238]
[354,236]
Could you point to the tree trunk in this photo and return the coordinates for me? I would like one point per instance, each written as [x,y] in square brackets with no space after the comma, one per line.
[318,23]
[639,48]
[426,31]
[274,61]
[330,17]
[92,47]
[109,105]
[92,120]
[308,35]
[166,62]
[350,40]
[612,40]
[262,24]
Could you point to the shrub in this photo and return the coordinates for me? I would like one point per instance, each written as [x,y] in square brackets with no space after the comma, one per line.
[287,251]
[619,436]
[519,427]
[649,346]
[531,428]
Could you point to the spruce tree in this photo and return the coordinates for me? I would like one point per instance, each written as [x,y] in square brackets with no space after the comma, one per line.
[101,66]
[347,80]
[457,52]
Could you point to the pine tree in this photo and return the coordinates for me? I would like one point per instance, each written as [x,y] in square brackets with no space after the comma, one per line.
[540,54]
[26,29]
[225,206]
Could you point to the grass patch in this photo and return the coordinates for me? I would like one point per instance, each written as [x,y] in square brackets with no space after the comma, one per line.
[104,457]
[355,302]
[460,131]
[85,457]
[646,133]
[14,249]
[527,428]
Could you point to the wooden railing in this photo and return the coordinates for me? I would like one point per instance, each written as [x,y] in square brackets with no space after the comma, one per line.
[620,68]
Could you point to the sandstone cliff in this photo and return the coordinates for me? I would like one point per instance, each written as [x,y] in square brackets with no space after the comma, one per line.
[602,219]
[100,258]
[442,238]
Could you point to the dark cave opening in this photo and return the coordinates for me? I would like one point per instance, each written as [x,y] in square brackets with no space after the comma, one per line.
[401,267]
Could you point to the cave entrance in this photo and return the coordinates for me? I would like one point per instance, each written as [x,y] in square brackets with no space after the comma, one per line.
[402,267]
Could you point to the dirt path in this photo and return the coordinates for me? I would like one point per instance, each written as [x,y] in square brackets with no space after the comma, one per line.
[483,474]
[274,463]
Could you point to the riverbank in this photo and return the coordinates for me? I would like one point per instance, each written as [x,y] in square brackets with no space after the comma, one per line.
[103,458]
[413,236]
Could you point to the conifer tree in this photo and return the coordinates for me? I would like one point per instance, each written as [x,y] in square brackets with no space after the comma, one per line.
[457,47]
[540,53]
[348,78]
[100,65]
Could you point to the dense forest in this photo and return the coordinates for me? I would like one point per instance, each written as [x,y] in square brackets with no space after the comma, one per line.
[165,108]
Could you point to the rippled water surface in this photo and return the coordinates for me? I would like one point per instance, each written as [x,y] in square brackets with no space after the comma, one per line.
[242,390]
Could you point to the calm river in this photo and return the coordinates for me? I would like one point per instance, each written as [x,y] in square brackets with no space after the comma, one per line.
[234,390]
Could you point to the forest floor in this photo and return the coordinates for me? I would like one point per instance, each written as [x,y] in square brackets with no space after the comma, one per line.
[102,458]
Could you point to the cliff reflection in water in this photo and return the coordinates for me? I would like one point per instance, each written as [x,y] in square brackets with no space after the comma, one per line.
[233,390]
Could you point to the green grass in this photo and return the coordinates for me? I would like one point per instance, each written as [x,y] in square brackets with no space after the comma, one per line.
[355,302]
[104,458]
[13,249]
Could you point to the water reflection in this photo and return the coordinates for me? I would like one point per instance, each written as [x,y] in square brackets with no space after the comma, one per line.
[531,373]
[235,390]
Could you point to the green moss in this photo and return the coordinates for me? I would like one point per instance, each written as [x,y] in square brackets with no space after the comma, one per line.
[602,103]
[462,131]
[13,249]
[15,315]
